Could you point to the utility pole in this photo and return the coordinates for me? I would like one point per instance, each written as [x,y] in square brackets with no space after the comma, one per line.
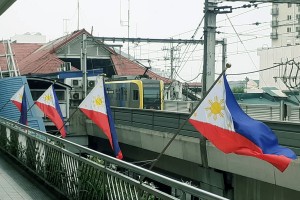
[210,10]
[171,61]
[224,53]
[171,88]
[209,45]
[171,58]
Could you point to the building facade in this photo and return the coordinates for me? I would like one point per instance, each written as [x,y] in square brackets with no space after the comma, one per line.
[285,24]
[280,63]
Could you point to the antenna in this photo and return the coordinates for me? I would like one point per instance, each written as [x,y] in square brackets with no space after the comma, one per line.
[122,23]
[78,15]
[65,26]
[128,23]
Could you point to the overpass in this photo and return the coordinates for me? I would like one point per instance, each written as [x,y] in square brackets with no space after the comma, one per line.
[144,133]
[77,172]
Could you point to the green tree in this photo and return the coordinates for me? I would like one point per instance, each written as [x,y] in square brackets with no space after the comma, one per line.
[238,89]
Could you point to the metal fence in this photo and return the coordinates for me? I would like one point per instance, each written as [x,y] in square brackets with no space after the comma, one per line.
[264,112]
[88,174]
[287,131]
[256,111]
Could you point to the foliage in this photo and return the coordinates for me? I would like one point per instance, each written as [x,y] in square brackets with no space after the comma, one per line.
[239,89]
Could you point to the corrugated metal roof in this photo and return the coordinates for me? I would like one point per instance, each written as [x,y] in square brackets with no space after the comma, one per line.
[273,91]
[8,87]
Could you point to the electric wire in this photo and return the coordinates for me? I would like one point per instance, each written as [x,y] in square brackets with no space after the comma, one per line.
[241,42]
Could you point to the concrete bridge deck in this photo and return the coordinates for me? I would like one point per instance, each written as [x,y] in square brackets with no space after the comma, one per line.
[16,184]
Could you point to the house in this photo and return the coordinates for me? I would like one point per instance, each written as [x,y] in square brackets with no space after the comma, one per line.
[64,53]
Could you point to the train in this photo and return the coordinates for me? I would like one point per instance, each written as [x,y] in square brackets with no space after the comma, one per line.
[142,93]
[137,93]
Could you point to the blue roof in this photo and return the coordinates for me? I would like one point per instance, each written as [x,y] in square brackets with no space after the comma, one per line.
[71,74]
[8,87]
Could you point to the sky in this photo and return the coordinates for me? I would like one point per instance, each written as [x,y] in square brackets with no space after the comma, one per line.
[150,19]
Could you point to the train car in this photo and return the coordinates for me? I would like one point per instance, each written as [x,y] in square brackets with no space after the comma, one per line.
[137,93]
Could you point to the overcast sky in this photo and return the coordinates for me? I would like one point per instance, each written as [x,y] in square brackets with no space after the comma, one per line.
[149,19]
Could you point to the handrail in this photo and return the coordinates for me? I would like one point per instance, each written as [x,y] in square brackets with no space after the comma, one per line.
[88,174]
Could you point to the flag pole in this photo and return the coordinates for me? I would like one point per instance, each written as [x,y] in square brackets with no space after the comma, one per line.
[185,121]
[9,100]
[4,105]
[54,81]
[66,121]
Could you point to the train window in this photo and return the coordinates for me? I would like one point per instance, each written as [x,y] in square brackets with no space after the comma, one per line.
[60,95]
[122,93]
[118,94]
[135,95]
[109,91]
[37,93]
[125,93]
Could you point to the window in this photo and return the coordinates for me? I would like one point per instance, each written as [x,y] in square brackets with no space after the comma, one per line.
[117,94]
[135,95]
[289,17]
[297,28]
[289,29]
[123,93]
[289,5]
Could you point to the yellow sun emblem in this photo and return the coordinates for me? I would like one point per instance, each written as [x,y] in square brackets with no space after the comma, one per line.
[195,114]
[98,101]
[20,97]
[48,98]
[216,108]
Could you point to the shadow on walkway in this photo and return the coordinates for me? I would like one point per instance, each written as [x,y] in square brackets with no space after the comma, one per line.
[16,183]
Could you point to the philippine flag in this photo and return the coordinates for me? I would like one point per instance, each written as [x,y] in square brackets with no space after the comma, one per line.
[20,100]
[48,103]
[96,106]
[220,119]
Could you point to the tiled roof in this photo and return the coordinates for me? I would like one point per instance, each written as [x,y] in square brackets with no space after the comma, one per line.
[195,84]
[20,51]
[124,66]
[44,60]
[41,59]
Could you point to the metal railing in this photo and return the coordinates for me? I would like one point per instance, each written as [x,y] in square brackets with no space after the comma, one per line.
[256,111]
[88,174]
[263,112]
[286,131]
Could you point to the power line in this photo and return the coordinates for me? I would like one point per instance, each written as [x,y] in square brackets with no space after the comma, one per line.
[251,72]
[241,40]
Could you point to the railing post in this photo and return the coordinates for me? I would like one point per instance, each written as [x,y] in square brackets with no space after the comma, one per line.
[3,137]
[13,145]
[281,110]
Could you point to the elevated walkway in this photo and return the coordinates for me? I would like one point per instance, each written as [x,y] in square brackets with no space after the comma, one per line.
[15,183]
[87,174]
